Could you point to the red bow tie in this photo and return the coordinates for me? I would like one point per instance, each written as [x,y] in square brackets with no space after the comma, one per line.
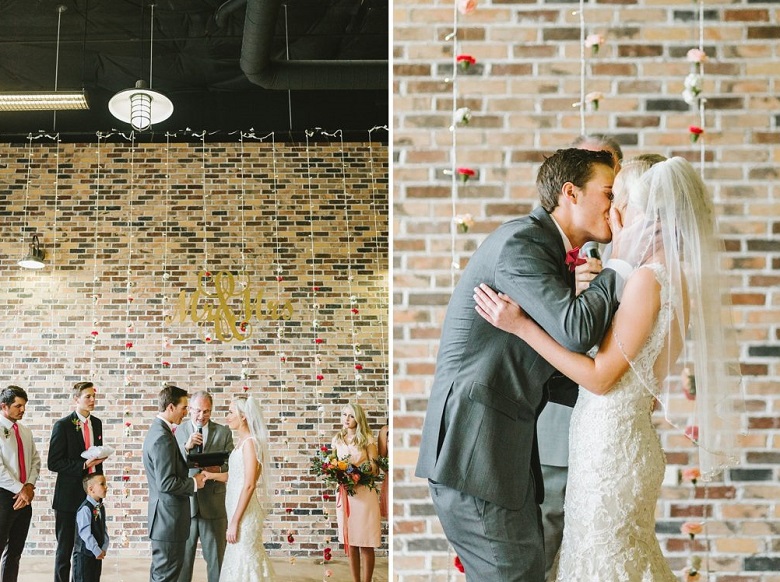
[573,258]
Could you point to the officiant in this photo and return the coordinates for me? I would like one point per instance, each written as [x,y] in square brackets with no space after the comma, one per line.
[70,437]
[200,435]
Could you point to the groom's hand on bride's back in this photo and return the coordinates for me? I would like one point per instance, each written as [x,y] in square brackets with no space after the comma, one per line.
[585,273]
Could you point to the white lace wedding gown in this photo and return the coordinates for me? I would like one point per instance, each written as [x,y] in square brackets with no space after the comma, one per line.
[246,560]
[616,467]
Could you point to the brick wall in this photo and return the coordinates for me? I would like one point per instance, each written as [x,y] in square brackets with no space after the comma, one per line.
[521,92]
[303,228]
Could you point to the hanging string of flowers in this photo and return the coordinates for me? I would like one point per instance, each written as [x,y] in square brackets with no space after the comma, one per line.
[693,86]
[96,244]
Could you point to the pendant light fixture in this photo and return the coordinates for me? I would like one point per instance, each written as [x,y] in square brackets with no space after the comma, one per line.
[141,106]
[35,257]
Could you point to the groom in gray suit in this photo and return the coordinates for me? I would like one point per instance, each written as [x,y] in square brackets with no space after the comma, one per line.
[169,487]
[478,448]
[207,507]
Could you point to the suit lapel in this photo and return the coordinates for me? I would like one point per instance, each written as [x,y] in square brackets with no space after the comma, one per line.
[551,228]
[79,434]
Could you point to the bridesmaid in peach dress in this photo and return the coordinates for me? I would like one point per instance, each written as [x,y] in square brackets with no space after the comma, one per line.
[361,531]
[384,434]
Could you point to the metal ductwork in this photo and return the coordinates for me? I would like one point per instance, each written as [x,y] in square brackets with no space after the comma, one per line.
[260,69]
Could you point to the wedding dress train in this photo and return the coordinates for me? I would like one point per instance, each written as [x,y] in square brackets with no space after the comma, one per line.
[616,466]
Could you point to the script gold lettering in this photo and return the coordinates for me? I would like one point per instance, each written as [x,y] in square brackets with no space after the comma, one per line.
[229,311]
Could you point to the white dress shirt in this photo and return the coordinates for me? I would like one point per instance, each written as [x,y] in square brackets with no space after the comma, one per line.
[9,456]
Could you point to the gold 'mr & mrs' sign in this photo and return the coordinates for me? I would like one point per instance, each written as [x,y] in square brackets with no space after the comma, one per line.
[229,309]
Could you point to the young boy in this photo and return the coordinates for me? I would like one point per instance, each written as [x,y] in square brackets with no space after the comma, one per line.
[92,537]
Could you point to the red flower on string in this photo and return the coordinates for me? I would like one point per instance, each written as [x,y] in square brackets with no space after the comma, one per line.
[325,497]
[128,423]
[125,477]
[465,61]
[326,554]
[290,538]
[279,278]
[355,310]
[129,345]
[459,565]
[319,340]
[358,366]
[130,299]
[207,274]
[246,388]
[695,132]
[465,174]
[283,358]
[315,288]
[242,326]
[166,364]
[94,334]
[320,377]
[289,509]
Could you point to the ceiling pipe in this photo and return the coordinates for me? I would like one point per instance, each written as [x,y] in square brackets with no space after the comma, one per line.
[260,69]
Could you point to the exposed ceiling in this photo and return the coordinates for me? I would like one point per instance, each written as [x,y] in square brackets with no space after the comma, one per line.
[331,54]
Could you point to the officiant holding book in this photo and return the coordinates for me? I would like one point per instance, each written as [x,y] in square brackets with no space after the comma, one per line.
[70,437]
[200,435]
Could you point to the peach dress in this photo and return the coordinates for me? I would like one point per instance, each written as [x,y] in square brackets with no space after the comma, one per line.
[364,524]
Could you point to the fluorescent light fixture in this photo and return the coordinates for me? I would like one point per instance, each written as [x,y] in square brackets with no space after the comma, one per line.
[43,100]
[33,259]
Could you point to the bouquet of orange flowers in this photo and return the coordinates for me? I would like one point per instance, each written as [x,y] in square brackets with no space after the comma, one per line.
[340,472]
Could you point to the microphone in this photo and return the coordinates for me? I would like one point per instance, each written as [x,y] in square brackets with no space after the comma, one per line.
[591,250]
[199,448]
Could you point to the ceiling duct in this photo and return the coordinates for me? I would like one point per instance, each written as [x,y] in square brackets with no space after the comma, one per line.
[260,69]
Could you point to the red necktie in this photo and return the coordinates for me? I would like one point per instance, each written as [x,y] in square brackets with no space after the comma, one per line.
[87,439]
[20,452]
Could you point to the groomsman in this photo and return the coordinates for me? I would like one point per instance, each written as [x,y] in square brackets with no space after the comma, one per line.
[19,469]
[207,507]
[169,487]
[71,436]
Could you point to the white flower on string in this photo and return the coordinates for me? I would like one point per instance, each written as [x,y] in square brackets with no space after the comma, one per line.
[464,222]
[692,89]
[462,116]
[593,98]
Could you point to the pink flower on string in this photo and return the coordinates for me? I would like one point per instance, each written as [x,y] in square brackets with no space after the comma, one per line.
[691,474]
[696,55]
[692,528]
[593,42]
[467,6]
[688,384]
[692,432]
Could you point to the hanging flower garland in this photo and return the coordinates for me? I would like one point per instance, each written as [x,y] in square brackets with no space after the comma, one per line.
[96,245]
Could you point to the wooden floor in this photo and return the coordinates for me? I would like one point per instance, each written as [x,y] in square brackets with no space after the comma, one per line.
[41,569]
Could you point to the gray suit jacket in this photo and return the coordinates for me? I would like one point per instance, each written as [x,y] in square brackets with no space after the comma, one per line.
[169,485]
[489,387]
[209,502]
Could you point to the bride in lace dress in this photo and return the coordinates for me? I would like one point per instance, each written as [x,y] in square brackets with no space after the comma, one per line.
[247,495]
[616,464]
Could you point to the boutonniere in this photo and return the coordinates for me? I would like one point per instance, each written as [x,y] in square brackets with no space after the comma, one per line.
[6,432]
[77,423]
[96,512]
